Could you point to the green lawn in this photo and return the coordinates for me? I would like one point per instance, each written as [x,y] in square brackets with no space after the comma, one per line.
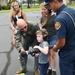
[71,5]
[24,8]
[4,11]
[34,8]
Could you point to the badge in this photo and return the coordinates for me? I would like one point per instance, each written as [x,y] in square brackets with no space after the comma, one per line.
[57,25]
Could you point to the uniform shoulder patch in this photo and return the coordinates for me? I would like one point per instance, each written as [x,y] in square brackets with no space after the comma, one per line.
[57,25]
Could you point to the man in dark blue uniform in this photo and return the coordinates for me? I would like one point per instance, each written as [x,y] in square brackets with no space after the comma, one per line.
[65,26]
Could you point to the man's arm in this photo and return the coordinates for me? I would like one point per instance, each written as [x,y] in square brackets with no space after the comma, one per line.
[18,42]
[60,43]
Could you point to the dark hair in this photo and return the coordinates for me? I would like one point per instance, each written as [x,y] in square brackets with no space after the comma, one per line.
[60,0]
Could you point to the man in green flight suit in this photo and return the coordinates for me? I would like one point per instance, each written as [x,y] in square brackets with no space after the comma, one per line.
[27,30]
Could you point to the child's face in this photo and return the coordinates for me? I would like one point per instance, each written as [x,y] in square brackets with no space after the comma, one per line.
[39,37]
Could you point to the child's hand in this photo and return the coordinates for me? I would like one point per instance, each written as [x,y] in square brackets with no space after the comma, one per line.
[36,47]
[36,55]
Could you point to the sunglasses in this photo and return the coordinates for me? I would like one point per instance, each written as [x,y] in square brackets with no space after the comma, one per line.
[24,28]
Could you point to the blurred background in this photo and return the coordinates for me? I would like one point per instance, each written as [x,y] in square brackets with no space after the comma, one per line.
[6,4]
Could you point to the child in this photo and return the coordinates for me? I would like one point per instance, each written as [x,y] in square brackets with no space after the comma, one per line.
[44,48]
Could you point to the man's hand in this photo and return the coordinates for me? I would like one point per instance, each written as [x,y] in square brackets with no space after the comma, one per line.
[21,49]
[23,53]
[15,31]
[54,48]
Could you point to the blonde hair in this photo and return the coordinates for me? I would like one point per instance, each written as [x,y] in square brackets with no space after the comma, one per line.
[48,15]
[13,12]
[42,5]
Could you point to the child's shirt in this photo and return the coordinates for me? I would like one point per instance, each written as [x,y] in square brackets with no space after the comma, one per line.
[43,58]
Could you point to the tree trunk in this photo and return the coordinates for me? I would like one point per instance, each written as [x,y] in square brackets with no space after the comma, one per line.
[28,4]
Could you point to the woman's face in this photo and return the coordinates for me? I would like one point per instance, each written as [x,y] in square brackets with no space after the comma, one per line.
[16,6]
[44,11]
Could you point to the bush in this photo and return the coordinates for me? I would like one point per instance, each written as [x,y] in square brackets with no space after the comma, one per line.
[0,7]
[5,7]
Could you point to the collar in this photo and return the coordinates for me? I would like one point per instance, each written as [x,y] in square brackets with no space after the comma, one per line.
[60,9]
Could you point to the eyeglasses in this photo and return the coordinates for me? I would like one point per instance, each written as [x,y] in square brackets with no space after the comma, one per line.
[24,28]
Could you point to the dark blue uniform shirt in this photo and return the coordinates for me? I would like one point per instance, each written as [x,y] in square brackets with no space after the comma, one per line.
[66,29]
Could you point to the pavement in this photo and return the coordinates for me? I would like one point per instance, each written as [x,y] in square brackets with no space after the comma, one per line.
[9,62]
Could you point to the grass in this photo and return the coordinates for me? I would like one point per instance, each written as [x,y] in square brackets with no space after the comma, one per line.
[33,8]
[71,5]
[24,8]
[4,11]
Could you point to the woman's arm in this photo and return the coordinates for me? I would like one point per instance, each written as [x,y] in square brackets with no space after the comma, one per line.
[11,22]
[24,16]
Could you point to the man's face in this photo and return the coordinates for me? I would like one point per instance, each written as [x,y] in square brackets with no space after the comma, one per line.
[52,6]
[22,25]
[25,28]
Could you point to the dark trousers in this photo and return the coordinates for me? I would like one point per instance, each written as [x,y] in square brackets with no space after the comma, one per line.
[43,68]
[67,63]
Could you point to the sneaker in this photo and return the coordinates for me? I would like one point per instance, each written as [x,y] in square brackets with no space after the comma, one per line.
[49,72]
[21,71]
[37,72]
[54,73]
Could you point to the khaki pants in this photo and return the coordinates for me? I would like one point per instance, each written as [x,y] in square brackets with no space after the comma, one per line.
[23,61]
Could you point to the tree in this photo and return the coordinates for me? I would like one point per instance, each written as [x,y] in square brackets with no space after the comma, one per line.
[28,4]
[39,1]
